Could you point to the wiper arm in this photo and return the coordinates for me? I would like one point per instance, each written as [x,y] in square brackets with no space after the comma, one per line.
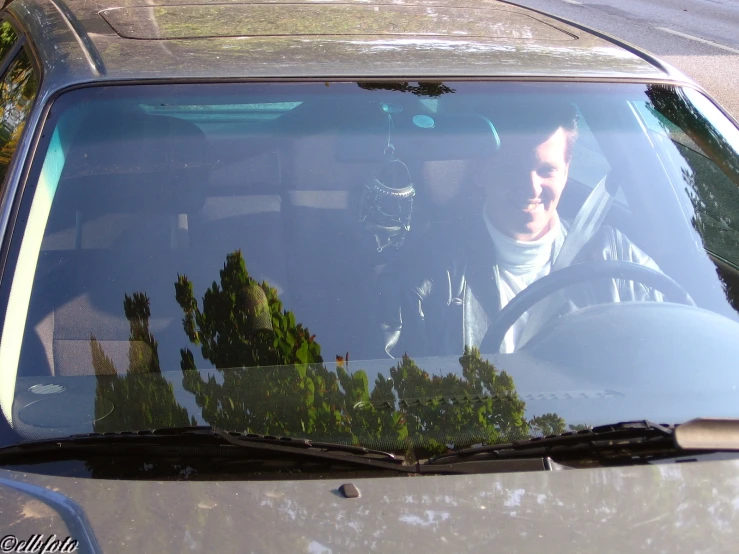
[628,439]
[208,443]
[254,438]
[193,440]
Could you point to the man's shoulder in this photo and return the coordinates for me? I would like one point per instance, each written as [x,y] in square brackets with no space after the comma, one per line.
[610,243]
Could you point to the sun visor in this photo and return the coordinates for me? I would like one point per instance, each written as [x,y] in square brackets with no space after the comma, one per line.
[424,137]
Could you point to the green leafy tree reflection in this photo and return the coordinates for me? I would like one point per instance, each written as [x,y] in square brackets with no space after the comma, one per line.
[710,172]
[8,37]
[142,398]
[710,168]
[242,323]
[273,380]
[17,91]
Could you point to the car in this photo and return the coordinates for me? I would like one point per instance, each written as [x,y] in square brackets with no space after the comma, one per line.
[262,262]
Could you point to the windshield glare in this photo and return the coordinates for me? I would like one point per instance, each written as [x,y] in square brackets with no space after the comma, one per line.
[407,266]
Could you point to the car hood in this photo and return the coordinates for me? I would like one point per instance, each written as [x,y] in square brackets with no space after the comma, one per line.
[687,507]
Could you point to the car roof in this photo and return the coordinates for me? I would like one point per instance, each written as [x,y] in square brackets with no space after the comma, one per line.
[84,40]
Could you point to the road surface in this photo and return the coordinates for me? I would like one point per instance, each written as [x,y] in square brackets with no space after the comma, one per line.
[699,37]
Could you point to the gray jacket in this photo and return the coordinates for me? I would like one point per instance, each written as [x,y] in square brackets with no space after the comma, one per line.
[436,304]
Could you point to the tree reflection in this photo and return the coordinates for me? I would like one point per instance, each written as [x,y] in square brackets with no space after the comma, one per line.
[672,104]
[8,37]
[273,381]
[242,323]
[142,398]
[710,172]
[17,92]
[423,88]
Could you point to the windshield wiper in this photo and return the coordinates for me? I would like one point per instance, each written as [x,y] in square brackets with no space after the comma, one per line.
[217,447]
[200,442]
[614,443]
[618,443]
[253,438]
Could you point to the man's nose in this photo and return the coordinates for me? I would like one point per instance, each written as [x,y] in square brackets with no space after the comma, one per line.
[533,185]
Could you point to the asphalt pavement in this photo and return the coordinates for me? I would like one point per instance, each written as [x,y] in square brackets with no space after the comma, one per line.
[699,37]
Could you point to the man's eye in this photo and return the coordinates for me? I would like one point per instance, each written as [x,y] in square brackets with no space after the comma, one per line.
[547,171]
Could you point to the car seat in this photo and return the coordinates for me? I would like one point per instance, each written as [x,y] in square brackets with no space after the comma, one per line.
[119,224]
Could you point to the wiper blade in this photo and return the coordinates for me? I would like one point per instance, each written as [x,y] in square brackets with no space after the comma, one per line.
[192,441]
[616,442]
[633,438]
[210,444]
[254,438]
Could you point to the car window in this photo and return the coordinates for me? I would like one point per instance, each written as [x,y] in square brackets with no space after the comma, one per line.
[297,259]
[18,90]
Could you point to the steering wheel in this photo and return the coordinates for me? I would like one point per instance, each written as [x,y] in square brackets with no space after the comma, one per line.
[578,273]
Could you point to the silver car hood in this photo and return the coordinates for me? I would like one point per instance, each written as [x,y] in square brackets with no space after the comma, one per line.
[686,507]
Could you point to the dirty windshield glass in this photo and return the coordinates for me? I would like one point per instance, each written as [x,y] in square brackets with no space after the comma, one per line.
[405,266]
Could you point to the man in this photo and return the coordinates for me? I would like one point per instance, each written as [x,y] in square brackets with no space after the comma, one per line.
[448,292]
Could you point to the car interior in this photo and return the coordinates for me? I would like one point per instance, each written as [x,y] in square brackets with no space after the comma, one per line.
[151,190]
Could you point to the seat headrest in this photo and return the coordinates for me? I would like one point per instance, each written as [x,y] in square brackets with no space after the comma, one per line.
[135,162]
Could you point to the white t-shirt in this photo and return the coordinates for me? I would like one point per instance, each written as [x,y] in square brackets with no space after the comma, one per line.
[520,263]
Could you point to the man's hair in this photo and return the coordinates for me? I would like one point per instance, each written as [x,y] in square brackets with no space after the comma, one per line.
[541,119]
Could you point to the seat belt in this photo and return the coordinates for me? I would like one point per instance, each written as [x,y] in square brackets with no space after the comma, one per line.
[586,224]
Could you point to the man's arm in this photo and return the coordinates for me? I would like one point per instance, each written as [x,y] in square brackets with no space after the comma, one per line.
[617,246]
[402,317]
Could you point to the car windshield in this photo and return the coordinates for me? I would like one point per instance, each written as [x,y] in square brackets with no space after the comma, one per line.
[405,266]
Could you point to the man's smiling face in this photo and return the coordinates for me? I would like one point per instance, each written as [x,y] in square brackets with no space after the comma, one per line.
[524,183]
